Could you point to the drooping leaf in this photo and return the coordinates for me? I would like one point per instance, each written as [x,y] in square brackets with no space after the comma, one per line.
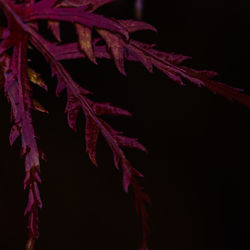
[54,26]
[107,109]
[37,106]
[22,32]
[91,136]
[116,47]
[85,41]
[72,108]
[35,78]
[133,26]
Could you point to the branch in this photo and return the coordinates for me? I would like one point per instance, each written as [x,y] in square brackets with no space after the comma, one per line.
[112,137]
[18,92]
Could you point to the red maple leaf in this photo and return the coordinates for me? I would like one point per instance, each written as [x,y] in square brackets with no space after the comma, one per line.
[22,33]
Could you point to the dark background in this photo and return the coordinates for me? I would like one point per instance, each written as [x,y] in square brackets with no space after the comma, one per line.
[197,168]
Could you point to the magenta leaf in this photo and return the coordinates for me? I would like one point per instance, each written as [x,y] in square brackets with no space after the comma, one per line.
[107,109]
[16,78]
[91,135]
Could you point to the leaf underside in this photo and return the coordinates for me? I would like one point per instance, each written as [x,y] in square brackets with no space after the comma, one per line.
[17,79]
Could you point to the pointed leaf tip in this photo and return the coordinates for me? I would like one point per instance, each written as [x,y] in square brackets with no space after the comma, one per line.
[92,157]
[54,26]
[72,117]
[85,41]
[133,25]
[115,46]
[37,106]
[91,137]
[126,174]
[14,133]
[30,244]
[107,109]
[124,141]
[36,79]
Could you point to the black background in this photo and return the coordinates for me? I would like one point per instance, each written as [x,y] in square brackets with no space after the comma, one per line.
[197,168]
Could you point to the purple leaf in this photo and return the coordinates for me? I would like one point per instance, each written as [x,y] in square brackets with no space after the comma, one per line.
[16,78]
[91,136]
[107,109]
[124,141]
[133,26]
